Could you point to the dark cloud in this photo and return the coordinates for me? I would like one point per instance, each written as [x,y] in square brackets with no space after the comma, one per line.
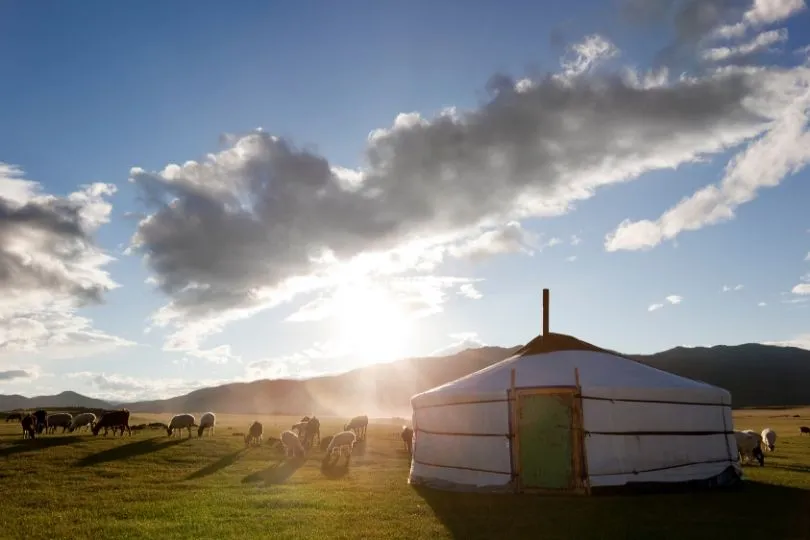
[253,215]
[14,374]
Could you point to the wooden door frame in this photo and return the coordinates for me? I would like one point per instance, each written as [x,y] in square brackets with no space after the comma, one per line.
[579,466]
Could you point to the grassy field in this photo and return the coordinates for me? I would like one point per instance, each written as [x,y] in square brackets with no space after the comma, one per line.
[153,486]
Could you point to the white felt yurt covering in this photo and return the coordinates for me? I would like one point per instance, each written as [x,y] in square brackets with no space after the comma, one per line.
[621,423]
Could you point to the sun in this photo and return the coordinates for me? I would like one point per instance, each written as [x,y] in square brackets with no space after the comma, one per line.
[370,324]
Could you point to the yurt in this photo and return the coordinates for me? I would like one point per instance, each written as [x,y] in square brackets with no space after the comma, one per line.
[565,416]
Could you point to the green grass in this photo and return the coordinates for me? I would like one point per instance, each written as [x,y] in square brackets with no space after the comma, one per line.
[153,486]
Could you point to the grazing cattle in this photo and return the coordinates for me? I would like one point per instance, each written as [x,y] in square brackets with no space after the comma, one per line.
[14,416]
[113,420]
[61,420]
[358,424]
[41,417]
[407,438]
[340,443]
[181,421]
[29,424]
[157,425]
[292,444]
[803,430]
[254,434]
[312,430]
[138,427]
[769,439]
[207,421]
[748,446]
[86,419]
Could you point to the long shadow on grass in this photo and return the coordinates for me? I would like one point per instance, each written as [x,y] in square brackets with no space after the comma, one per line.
[275,474]
[139,448]
[218,465]
[754,511]
[32,445]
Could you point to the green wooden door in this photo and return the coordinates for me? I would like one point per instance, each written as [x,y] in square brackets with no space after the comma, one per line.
[544,424]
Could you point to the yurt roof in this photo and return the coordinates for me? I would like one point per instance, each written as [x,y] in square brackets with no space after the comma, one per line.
[551,360]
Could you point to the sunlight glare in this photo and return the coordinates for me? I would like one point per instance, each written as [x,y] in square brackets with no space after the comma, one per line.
[370,324]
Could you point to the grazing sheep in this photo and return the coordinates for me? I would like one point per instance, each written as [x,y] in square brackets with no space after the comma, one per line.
[42,420]
[56,420]
[254,434]
[207,421]
[748,446]
[407,438]
[312,430]
[29,424]
[157,425]
[340,443]
[325,442]
[181,421]
[292,444]
[299,428]
[14,416]
[803,430]
[769,439]
[81,420]
[113,420]
[358,424]
[138,427]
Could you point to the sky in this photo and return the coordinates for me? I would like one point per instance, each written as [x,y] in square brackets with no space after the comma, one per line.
[194,193]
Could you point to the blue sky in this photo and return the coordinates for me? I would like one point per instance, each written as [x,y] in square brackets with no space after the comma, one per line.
[110,94]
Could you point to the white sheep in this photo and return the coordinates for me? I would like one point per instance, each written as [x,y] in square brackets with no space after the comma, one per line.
[61,420]
[748,446]
[81,420]
[181,421]
[207,421]
[769,439]
[292,444]
[340,443]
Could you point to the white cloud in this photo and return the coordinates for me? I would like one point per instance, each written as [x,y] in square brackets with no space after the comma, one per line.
[469,290]
[461,342]
[571,258]
[802,342]
[762,304]
[759,43]
[583,56]
[575,240]
[50,269]
[801,288]
[761,13]
[727,288]
[671,299]
[783,149]
[511,238]
[807,257]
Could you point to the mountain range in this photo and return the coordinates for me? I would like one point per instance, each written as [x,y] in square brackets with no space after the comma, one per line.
[756,375]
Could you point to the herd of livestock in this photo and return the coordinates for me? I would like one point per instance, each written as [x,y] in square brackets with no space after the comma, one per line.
[295,441]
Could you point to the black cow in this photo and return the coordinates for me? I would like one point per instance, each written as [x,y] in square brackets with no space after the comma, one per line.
[41,417]
[113,420]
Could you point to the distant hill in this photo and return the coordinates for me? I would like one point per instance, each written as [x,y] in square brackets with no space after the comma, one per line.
[756,375]
[65,400]
[381,390]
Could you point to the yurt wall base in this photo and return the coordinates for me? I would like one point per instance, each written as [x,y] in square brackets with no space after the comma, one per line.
[547,449]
